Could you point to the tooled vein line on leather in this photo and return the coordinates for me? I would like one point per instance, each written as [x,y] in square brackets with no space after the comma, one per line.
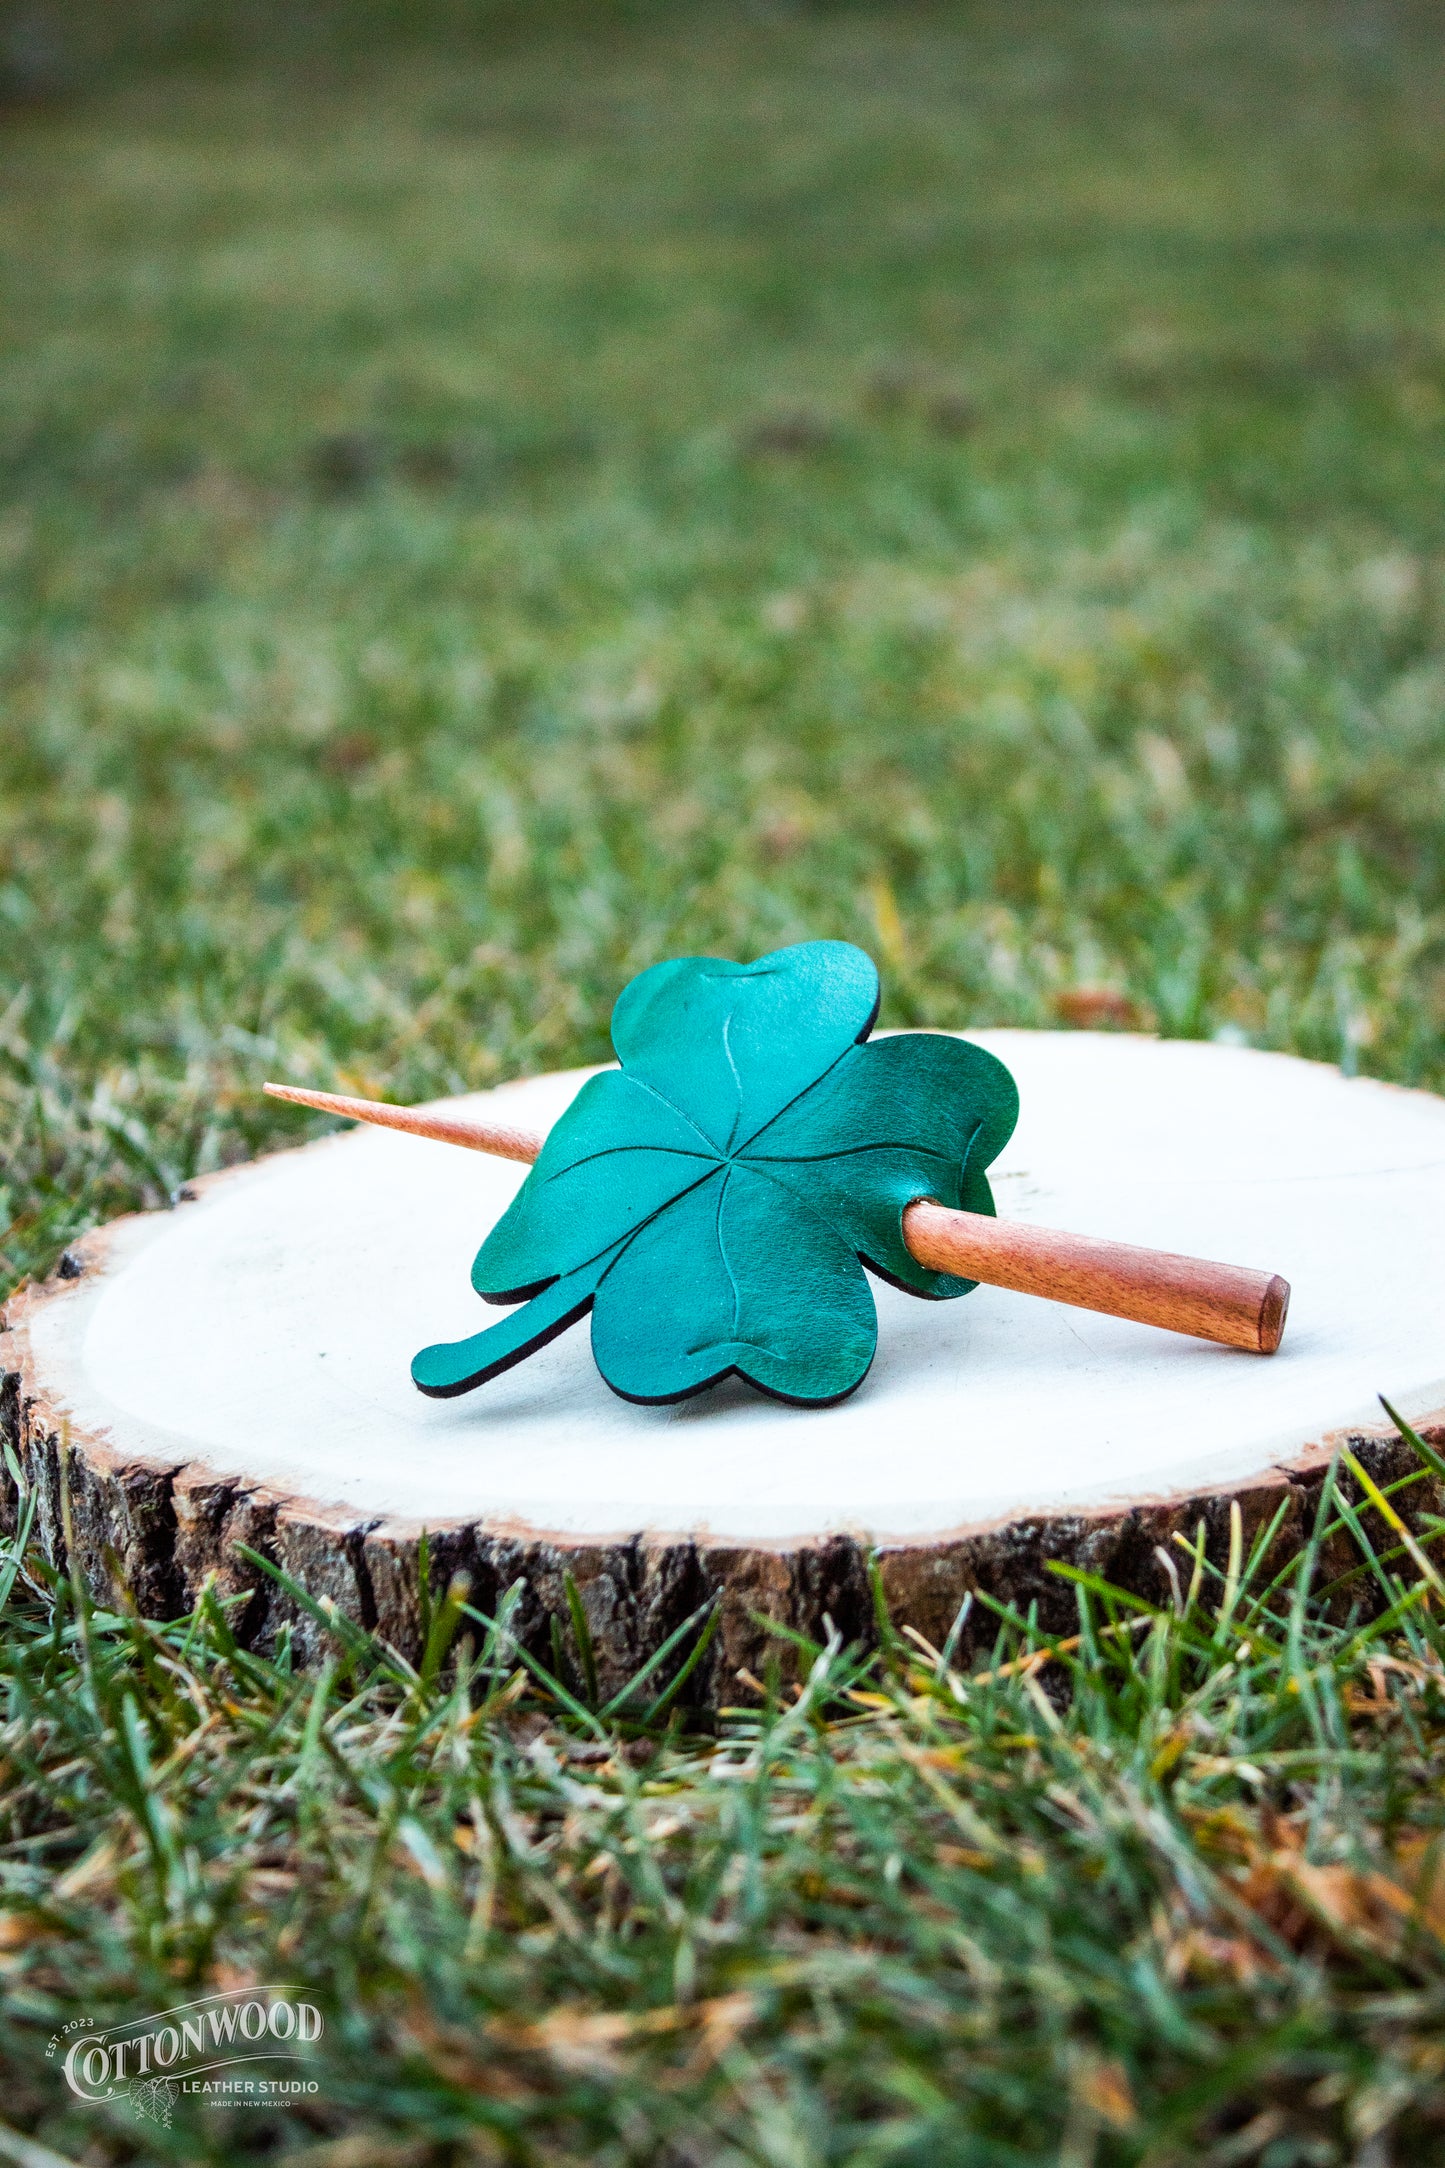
[849,1151]
[610,1151]
[812,1086]
[672,1106]
[723,1254]
[763,1169]
[799,1202]
[727,1047]
[773,971]
[733,1340]
[715,977]
[663,1100]
[623,1242]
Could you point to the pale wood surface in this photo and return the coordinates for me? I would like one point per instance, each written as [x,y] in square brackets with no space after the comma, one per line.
[235,1372]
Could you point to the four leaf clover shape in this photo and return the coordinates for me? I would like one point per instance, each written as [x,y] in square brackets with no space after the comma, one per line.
[714,1201]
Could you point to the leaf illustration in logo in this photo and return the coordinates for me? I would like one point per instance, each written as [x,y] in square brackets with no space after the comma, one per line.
[714,1200]
[155,2099]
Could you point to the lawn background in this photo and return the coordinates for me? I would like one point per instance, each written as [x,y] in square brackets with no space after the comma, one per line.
[490,498]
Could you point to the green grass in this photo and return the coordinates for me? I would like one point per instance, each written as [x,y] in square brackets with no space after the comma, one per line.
[478,517]
[1170,1891]
[475,523]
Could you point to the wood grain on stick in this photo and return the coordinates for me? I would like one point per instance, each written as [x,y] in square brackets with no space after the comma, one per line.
[1230,1304]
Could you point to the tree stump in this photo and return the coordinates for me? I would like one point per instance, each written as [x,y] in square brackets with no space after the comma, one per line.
[235,1371]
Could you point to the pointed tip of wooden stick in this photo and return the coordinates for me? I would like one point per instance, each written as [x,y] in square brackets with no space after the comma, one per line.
[441,1128]
[327,1102]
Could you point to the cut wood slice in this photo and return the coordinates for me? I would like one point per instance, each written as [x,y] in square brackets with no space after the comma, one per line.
[235,1372]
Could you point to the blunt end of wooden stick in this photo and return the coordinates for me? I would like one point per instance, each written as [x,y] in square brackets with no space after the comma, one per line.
[1272,1313]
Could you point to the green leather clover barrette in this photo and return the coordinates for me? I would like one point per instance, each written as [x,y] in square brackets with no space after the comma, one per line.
[715,1200]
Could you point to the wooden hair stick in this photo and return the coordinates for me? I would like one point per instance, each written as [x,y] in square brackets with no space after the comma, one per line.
[1228,1303]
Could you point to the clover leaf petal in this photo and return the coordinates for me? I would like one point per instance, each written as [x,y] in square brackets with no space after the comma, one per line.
[914,1115]
[714,1201]
[731,1044]
[616,1156]
[698,1294]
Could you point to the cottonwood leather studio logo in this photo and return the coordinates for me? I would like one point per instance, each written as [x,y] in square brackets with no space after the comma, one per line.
[208,2051]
